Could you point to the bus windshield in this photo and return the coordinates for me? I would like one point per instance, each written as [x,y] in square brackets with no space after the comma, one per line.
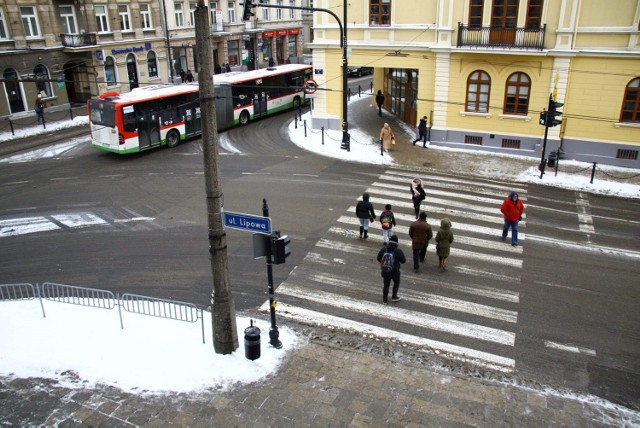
[102,113]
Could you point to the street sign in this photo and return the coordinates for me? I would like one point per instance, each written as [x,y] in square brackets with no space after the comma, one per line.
[310,86]
[248,222]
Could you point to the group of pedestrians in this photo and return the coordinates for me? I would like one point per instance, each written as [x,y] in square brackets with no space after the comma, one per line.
[391,256]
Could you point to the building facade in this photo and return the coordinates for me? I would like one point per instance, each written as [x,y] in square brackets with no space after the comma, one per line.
[482,71]
[69,51]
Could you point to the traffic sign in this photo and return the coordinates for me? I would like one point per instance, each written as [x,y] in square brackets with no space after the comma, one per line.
[310,86]
[248,222]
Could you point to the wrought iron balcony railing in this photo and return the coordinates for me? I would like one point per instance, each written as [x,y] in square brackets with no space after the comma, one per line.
[501,37]
[78,40]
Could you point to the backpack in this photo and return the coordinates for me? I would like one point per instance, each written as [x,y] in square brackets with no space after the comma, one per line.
[388,261]
[385,219]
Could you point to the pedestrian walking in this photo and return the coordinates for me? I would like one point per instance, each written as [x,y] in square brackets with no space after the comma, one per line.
[444,238]
[387,137]
[182,75]
[39,109]
[387,221]
[420,233]
[422,130]
[227,68]
[512,208]
[417,194]
[380,102]
[365,214]
[272,63]
[390,258]
[189,76]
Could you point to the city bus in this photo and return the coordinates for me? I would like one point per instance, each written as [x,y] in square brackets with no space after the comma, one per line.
[166,114]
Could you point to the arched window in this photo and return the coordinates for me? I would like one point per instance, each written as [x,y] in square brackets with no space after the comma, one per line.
[478,88]
[516,100]
[43,80]
[110,71]
[631,102]
[152,64]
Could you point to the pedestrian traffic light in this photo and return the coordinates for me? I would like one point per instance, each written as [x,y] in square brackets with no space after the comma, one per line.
[553,113]
[543,118]
[279,249]
[246,12]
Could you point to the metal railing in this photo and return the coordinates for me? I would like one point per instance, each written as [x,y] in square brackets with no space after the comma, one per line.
[78,40]
[82,296]
[21,291]
[501,37]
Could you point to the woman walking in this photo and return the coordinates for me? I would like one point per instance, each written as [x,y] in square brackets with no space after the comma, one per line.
[365,214]
[417,194]
[444,238]
[387,137]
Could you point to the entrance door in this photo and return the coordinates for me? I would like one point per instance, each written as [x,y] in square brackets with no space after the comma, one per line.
[132,71]
[13,90]
[260,104]
[504,19]
[148,131]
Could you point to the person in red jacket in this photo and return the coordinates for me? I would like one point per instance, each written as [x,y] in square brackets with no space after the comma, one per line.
[512,209]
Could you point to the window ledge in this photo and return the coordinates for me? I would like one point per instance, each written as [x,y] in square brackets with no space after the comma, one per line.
[627,124]
[526,118]
[475,113]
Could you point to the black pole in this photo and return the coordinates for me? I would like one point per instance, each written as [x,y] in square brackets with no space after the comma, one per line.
[381,148]
[544,148]
[593,172]
[274,334]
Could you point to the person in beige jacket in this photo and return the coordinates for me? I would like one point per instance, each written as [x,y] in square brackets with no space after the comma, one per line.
[387,137]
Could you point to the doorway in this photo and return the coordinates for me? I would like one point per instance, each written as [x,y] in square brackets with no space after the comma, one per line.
[504,19]
[132,71]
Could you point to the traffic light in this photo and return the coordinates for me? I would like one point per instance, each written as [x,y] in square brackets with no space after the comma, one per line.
[279,249]
[246,12]
[543,118]
[553,113]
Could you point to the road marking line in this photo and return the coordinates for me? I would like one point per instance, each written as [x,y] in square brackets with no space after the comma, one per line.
[480,358]
[584,215]
[78,220]
[128,220]
[380,187]
[25,225]
[569,348]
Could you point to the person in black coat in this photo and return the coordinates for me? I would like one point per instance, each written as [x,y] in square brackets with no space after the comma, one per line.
[417,195]
[380,102]
[422,130]
[365,214]
[394,275]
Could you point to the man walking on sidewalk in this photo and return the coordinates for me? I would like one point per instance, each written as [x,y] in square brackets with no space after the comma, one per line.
[390,258]
[420,233]
[422,130]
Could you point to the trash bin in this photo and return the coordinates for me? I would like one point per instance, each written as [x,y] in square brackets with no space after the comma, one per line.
[552,159]
[252,342]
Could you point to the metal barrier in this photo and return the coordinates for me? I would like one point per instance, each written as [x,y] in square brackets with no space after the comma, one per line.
[170,309]
[22,291]
[92,297]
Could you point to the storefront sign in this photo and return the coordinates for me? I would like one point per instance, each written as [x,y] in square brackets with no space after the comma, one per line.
[281,33]
[267,34]
[294,31]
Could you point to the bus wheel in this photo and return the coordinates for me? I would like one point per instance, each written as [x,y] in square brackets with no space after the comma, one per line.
[173,138]
[296,103]
[244,117]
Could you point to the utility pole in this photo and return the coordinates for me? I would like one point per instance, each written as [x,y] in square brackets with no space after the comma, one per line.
[223,313]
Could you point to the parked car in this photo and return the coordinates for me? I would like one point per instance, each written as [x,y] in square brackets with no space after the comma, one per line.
[359,71]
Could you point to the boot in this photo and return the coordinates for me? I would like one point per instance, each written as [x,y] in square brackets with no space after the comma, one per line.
[361,229]
[365,234]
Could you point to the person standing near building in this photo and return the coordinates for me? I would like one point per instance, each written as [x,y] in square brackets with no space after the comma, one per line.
[365,214]
[422,130]
[189,76]
[390,258]
[387,221]
[39,109]
[444,238]
[512,208]
[380,102]
[417,194]
[387,137]
[420,233]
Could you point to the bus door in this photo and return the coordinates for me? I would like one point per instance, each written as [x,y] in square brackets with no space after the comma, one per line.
[148,130]
[260,104]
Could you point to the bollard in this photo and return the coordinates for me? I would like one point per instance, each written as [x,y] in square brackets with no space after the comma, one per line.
[252,342]
[295,119]
[71,111]
[305,128]
[381,148]
[358,90]
[593,172]
[349,94]
[322,134]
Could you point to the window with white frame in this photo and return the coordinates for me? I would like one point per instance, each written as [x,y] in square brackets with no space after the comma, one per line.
[231,9]
[125,18]
[279,11]
[177,7]
[145,16]
[212,10]
[192,13]
[265,13]
[43,80]
[292,12]
[152,64]
[110,71]
[30,21]
[102,19]
[68,19]
[3,26]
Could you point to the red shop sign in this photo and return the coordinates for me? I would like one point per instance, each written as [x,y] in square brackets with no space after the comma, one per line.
[267,34]
[294,31]
[281,33]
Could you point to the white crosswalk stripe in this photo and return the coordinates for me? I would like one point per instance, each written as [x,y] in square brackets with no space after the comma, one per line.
[470,311]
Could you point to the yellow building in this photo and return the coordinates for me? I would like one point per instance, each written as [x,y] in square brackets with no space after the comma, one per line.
[484,70]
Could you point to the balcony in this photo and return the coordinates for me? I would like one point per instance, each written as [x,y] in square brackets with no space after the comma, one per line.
[78,40]
[501,37]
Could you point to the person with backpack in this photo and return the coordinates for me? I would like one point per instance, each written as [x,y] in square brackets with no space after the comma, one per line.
[387,221]
[417,195]
[365,214]
[390,258]
[420,233]
[444,238]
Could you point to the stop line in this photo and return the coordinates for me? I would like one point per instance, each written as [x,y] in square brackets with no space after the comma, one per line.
[469,312]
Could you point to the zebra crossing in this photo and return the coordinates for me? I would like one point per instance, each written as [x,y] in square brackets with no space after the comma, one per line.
[469,312]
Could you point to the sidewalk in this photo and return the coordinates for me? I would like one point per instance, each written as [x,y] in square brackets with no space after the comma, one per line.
[335,378]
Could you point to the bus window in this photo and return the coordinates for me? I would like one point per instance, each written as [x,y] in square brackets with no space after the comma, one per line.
[102,113]
[129,118]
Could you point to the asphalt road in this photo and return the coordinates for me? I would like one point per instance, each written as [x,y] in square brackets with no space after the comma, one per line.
[138,224]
